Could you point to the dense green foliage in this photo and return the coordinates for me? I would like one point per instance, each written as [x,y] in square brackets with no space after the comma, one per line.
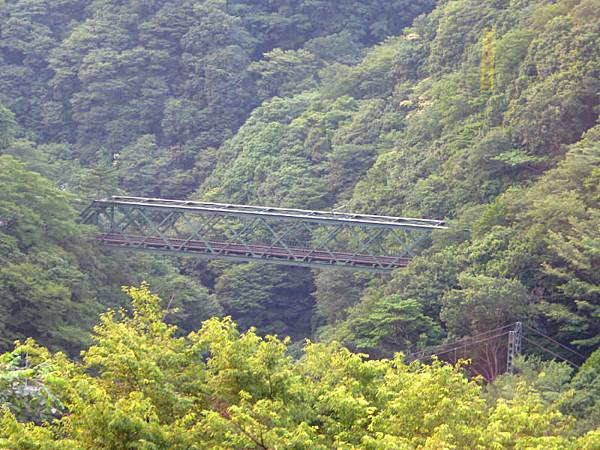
[52,281]
[483,113]
[44,291]
[139,386]
[412,129]
[121,97]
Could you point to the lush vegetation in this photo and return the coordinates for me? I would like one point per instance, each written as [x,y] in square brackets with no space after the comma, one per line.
[140,386]
[484,113]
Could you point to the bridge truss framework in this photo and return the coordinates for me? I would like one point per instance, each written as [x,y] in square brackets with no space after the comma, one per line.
[321,239]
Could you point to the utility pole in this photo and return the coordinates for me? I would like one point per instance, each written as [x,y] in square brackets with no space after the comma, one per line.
[514,346]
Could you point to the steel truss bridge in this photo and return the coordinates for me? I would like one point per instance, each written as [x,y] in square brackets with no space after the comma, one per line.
[295,237]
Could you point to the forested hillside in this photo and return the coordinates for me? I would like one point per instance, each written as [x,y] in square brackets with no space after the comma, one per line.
[108,97]
[482,113]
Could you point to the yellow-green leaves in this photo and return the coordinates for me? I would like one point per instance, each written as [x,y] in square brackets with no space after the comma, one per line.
[141,387]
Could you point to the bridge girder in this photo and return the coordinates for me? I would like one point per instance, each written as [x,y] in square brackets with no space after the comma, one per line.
[320,239]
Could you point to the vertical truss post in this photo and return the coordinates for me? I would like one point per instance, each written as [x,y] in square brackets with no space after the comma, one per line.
[112,218]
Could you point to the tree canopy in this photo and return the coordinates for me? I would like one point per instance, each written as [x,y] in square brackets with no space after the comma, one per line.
[141,386]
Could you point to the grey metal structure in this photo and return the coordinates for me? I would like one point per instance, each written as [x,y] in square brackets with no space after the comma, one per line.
[324,239]
[514,346]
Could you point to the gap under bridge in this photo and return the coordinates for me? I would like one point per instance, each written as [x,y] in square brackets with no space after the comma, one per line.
[321,239]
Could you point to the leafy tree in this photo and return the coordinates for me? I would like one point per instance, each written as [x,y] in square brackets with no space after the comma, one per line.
[384,326]
[7,126]
[549,378]
[582,396]
[366,106]
[140,385]
[44,293]
[266,297]
[283,73]
[23,389]
[483,303]
[330,305]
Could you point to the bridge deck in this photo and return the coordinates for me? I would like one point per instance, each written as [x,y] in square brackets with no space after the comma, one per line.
[248,252]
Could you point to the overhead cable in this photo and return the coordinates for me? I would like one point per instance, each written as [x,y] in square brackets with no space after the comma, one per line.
[465,344]
[535,330]
[551,352]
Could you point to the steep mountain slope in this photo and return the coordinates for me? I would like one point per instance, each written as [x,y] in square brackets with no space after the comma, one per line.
[469,115]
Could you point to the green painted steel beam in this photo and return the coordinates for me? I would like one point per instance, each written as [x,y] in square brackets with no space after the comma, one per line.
[318,239]
[276,213]
[279,262]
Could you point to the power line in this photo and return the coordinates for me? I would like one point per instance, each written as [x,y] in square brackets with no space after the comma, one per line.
[484,337]
[459,342]
[535,330]
[470,343]
[463,339]
[464,344]
[551,352]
